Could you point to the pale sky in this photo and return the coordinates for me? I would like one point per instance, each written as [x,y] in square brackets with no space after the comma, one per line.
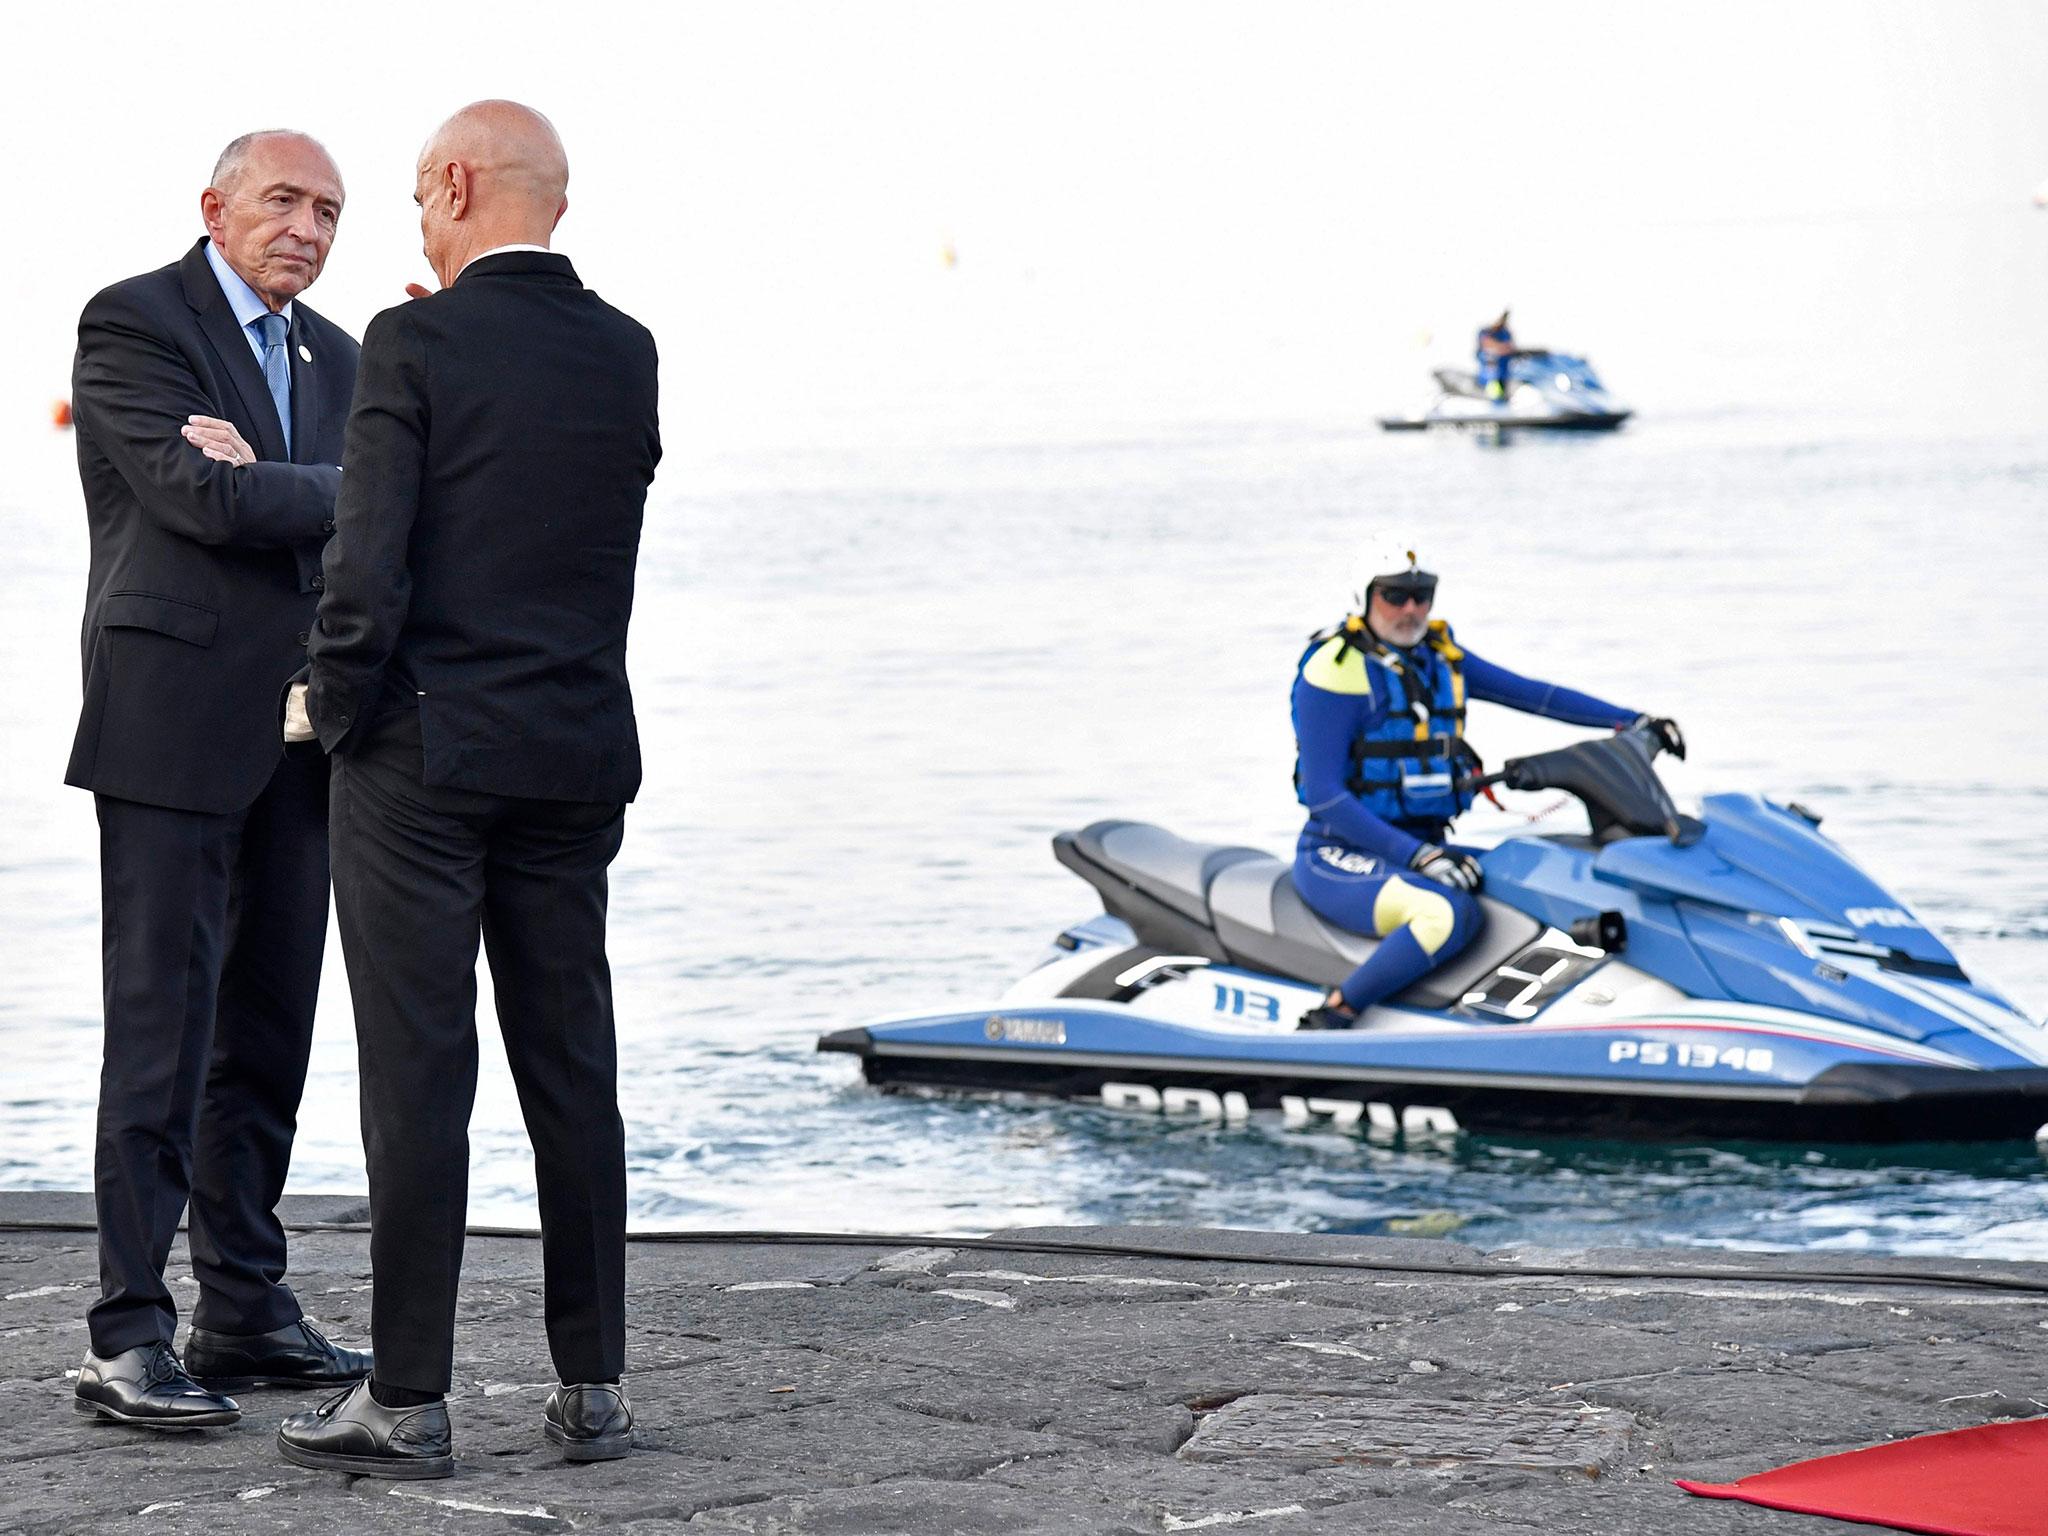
[1255,202]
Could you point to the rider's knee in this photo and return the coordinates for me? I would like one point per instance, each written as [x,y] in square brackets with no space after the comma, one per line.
[1442,919]
[1466,917]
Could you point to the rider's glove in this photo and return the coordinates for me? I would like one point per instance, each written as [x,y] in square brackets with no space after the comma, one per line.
[1663,731]
[1447,867]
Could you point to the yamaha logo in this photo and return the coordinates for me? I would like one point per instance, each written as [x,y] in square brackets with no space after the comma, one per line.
[1026,1031]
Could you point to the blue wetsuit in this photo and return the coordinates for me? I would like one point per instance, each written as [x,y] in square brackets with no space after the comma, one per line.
[1493,364]
[1351,861]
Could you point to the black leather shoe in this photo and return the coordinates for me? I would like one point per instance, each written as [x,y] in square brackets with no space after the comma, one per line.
[296,1355]
[1328,1017]
[146,1387]
[352,1432]
[592,1422]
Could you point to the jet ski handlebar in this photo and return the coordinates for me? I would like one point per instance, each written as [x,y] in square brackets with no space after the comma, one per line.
[1516,771]
[1611,776]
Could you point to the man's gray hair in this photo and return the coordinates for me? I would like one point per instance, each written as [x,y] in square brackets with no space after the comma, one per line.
[227,170]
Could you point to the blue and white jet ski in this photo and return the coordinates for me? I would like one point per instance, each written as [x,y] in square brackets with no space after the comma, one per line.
[1546,391]
[1733,976]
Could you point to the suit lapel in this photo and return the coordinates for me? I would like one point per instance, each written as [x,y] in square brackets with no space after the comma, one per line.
[306,381]
[230,344]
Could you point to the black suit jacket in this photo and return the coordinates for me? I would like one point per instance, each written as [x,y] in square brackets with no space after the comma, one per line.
[204,576]
[499,451]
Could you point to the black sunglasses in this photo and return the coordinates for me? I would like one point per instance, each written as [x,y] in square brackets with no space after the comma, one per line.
[1397,593]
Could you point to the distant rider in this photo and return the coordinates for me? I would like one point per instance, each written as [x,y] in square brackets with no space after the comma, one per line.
[1496,346]
[1379,722]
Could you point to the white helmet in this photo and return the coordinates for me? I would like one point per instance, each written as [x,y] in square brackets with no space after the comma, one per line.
[1384,560]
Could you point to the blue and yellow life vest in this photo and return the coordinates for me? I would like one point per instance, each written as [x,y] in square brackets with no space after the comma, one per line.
[1405,769]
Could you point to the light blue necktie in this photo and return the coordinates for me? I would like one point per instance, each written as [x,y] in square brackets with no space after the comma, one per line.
[277,370]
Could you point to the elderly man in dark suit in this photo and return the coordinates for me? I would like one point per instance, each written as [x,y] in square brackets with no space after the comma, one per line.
[210,403]
[469,678]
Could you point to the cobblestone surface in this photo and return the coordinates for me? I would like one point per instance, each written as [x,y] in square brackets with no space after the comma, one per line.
[878,1387]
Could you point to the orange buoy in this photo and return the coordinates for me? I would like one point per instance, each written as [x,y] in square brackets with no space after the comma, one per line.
[60,414]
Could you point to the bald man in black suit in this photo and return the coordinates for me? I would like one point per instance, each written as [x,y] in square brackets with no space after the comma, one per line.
[469,678]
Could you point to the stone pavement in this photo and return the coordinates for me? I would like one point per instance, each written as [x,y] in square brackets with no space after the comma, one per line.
[877,1386]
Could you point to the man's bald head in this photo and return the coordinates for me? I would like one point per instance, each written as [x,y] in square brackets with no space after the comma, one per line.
[234,161]
[493,174]
[506,144]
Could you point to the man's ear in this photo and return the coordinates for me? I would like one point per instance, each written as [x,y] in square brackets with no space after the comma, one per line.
[213,210]
[555,223]
[458,189]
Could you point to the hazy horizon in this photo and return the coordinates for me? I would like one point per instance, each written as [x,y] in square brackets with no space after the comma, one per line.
[1248,215]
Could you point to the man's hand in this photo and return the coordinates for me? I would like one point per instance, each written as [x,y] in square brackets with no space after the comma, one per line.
[418,291]
[1663,731]
[218,439]
[1447,867]
[298,725]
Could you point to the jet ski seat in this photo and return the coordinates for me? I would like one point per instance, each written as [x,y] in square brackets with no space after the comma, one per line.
[1154,881]
[1238,906]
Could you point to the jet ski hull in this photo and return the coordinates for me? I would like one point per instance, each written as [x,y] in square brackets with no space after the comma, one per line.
[1849,1103]
[1548,392]
[1598,421]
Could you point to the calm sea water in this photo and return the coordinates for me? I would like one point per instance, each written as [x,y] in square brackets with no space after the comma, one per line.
[879,668]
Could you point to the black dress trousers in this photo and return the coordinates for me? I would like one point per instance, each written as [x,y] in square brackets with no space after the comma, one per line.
[421,872]
[212,931]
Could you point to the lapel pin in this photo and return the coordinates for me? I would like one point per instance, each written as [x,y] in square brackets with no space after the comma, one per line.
[305,355]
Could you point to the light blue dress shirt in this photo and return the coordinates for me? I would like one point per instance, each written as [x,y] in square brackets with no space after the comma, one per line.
[242,299]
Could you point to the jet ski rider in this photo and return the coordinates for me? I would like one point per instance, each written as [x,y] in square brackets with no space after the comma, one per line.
[1379,719]
[1496,345]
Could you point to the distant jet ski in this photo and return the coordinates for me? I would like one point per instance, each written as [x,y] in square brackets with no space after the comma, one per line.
[1735,976]
[1546,391]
